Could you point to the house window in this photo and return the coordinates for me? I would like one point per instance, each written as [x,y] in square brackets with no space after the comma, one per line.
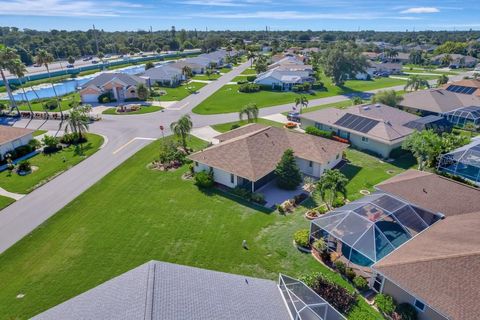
[232,178]
[310,164]
[365,139]
[419,305]
[338,156]
[196,164]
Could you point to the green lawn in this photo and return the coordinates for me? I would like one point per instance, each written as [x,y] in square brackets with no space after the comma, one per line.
[178,93]
[143,109]
[38,105]
[212,77]
[225,70]
[37,133]
[224,127]
[249,72]
[339,105]
[228,99]
[122,222]
[5,202]
[48,166]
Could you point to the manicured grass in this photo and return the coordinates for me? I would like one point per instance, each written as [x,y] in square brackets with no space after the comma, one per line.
[212,77]
[228,99]
[339,105]
[122,222]
[37,133]
[224,127]
[5,202]
[178,93]
[143,109]
[38,105]
[49,166]
[249,72]
[225,70]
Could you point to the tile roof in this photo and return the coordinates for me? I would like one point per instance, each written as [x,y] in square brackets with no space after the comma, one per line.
[433,192]
[158,290]
[441,266]
[103,78]
[254,154]
[438,100]
[390,126]
[8,133]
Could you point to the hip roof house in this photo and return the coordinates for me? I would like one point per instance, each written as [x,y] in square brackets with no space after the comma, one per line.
[164,291]
[121,86]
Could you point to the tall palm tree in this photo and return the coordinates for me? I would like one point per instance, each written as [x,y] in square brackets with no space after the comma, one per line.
[251,111]
[415,83]
[19,70]
[8,56]
[45,58]
[78,121]
[331,184]
[187,72]
[251,56]
[181,129]
[301,101]
[446,60]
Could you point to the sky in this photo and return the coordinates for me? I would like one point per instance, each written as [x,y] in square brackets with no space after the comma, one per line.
[349,15]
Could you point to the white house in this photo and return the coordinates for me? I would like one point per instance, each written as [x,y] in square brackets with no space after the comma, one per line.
[248,156]
[13,137]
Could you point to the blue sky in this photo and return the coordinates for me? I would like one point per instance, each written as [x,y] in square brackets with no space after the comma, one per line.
[242,14]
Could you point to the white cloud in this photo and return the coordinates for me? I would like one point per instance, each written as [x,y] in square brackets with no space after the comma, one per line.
[287,15]
[421,10]
[224,3]
[65,8]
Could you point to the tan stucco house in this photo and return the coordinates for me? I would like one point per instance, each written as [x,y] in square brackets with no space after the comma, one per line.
[121,86]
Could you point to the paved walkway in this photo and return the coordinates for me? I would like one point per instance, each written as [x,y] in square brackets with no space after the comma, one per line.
[206,133]
[16,196]
[277,117]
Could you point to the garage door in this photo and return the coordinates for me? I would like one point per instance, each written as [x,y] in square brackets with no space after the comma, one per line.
[90,98]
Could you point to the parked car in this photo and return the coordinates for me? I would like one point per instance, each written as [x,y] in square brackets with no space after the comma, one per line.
[70,66]
[293,116]
[87,58]
[94,61]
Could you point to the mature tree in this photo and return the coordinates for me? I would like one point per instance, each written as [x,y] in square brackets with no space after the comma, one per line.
[45,58]
[416,57]
[8,58]
[442,80]
[415,83]
[332,183]
[181,129]
[287,172]
[78,121]
[342,64]
[71,60]
[261,64]
[142,91]
[19,71]
[187,72]
[388,97]
[301,101]
[446,60]
[149,65]
[251,56]
[208,73]
[250,111]
[356,100]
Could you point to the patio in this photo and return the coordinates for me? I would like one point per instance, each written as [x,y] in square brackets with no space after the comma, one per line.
[274,195]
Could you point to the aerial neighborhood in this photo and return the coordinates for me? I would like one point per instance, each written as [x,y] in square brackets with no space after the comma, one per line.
[182,173]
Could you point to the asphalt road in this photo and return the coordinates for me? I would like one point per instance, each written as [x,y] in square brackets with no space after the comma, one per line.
[125,135]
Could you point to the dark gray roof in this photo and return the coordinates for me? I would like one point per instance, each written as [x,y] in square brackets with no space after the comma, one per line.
[428,122]
[159,290]
[163,72]
[103,78]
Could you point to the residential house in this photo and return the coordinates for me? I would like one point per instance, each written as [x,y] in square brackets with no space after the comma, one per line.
[283,78]
[371,55]
[287,60]
[433,271]
[165,75]
[160,290]
[456,60]
[13,137]
[401,57]
[247,156]
[374,127]
[121,86]
[195,67]
[386,67]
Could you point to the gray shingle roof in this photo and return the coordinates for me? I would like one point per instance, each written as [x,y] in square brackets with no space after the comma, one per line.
[163,72]
[103,78]
[159,290]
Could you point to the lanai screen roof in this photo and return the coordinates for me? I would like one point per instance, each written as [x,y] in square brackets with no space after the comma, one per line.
[376,225]
[464,161]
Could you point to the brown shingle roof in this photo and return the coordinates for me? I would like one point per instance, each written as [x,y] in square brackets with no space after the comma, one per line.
[8,134]
[433,192]
[438,100]
[473,83]
[441,266]
[249,128]
[255,154]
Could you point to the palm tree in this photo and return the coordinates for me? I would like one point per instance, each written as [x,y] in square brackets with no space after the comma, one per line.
[44,58]
[301,101]
[181,129]
[446,60]
[356,100]
[331,184]
[8,56]
[19,70]
[251,56]
[208,73]
[187,72]
[415,83]
[251,111]
[78,121]
[442,80]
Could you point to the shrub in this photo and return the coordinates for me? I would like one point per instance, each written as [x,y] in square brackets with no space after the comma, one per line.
[340,266]
[350,274]
[204,179]
[301,238]
[398,152]
[318,85]
[50,105]
[280,209]
[287,172]
[251,78]
[385,303]
[51,144]
[320,245]
[22,150]
[302,87]
[360,283]
[235,126]
[242,192]
[406,311]
[337,296]
[338,202]
[249,88]
[300,198]
[242,82]
[257,197]
[105,97]
[318,132]
[34,144]
[24,166]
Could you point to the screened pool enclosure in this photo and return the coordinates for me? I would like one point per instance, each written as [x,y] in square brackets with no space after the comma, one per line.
[461,116]
[366,230]
[463,162]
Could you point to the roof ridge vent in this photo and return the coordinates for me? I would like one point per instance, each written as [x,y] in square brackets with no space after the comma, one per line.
[367,107]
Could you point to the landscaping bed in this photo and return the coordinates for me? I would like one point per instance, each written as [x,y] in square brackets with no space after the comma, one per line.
[140,110]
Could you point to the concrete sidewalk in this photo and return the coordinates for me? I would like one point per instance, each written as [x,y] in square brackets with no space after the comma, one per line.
[206,133]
